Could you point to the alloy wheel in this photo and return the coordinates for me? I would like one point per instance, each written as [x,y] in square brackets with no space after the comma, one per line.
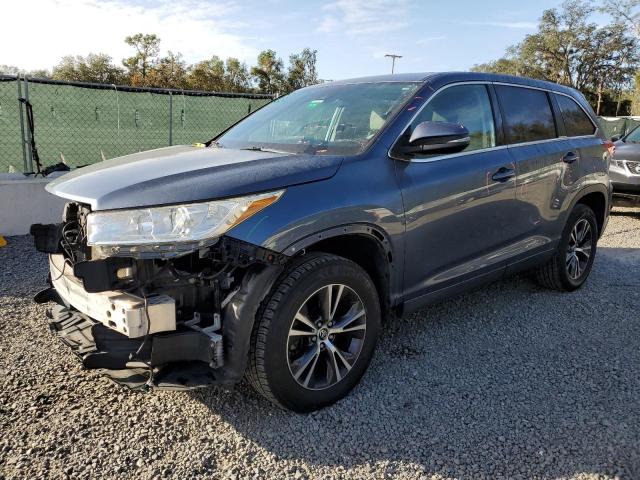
[326,337]
[579,249]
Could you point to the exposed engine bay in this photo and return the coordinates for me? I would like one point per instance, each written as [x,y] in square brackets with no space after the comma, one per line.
[170,317]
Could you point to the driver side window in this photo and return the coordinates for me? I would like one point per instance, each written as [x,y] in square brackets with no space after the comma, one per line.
[468,105]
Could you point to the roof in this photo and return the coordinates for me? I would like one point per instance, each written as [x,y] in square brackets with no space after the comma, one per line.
[448,77]
[398,77]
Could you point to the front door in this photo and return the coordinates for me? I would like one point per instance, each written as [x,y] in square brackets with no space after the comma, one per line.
[458,207]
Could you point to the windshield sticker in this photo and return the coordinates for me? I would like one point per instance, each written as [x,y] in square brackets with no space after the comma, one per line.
[314,103]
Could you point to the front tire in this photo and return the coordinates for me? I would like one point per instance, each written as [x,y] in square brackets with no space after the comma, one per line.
[569,268]
[315,333]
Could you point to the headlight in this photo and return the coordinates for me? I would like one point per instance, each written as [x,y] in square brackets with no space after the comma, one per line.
[175,223]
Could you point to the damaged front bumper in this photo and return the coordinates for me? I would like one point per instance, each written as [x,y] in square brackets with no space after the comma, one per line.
[173,361]
[135,341]
[181,330]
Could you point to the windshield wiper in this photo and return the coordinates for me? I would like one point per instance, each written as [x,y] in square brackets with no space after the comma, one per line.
[262,149]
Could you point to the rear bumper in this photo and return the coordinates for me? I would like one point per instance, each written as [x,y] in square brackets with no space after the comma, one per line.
[626,199]
[623,179]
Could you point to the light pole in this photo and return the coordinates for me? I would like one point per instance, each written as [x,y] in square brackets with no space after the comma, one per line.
[393,57]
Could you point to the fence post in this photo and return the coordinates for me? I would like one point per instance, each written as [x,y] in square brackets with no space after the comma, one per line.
[25,166]
[117,108]
[170,118]
[29,139]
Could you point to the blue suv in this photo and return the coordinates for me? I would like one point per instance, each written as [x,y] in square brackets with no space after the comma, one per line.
[274,251]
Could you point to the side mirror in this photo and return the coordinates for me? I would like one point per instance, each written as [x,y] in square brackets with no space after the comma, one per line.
[615,138]
[437,137]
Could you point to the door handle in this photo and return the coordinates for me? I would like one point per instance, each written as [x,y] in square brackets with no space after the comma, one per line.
[503,174]
[570,157]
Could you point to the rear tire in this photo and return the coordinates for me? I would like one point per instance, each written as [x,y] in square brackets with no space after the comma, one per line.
[569,268]
[315,333]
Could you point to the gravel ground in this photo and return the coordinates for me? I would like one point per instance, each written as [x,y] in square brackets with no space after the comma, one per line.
[511,381]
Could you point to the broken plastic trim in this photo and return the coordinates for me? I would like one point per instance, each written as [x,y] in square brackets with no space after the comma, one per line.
[175,361]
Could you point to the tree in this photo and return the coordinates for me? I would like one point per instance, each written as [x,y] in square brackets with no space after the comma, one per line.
[626,12]
[207,75]
[147,47]
[507,65]
[268,72]
[9,70]
[302,69]
[12,70]
[236,76]
[39,73]
[571,50]
[169,72]
[95,67]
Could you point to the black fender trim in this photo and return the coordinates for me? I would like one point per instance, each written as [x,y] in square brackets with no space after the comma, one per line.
[239,316]
[395,273]
[594,188]
[350,229]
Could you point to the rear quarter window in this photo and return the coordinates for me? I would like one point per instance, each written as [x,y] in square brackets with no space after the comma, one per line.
[576,121]
[527,114]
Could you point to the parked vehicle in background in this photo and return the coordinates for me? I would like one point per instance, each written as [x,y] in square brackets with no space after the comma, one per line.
[276,251]
[625,169]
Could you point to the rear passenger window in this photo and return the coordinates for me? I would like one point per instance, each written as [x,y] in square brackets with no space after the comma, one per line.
[576,122]
[468,105]
[527,114]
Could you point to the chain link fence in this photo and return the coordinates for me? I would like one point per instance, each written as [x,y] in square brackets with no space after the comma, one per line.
[620,126]
[82,123]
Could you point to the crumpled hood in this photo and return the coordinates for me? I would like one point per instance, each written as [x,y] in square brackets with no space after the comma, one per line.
[184,174]
[627,151]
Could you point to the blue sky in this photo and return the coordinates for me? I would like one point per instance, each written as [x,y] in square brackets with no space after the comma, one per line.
[351,36]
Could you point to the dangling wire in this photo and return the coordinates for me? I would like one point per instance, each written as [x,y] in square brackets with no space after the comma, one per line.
[31,125]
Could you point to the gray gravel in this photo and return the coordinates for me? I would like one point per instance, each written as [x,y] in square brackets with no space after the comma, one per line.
[511,381]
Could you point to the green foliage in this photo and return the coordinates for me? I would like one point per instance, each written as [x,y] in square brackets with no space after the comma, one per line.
[12,70]
[168,72]
[268,72]
[302,69]
[568,48]
[147,68]
[147,47]
[207,75]
[236,76]
[95,67]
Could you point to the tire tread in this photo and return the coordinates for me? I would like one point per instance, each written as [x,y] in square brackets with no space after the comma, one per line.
[256,373]
[550,274]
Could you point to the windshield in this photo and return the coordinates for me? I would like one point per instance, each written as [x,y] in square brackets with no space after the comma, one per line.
[331,119]
[634,136]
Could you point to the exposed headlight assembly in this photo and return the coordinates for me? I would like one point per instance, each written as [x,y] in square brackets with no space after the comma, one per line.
[170,227]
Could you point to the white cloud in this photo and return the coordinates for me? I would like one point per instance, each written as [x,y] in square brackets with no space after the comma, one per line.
[67,27]
[518,25]
[364,17]
[328,24]
[426,40]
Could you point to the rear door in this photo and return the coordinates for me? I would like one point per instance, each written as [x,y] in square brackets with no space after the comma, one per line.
[546,162]
[581,131]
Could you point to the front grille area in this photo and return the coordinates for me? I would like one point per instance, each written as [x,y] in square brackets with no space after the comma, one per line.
[634,167]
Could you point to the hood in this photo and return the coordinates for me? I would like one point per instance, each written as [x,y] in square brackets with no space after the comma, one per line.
[183,174]
[627,151]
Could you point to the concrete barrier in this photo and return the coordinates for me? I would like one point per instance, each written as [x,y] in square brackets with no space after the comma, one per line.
[23,201]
